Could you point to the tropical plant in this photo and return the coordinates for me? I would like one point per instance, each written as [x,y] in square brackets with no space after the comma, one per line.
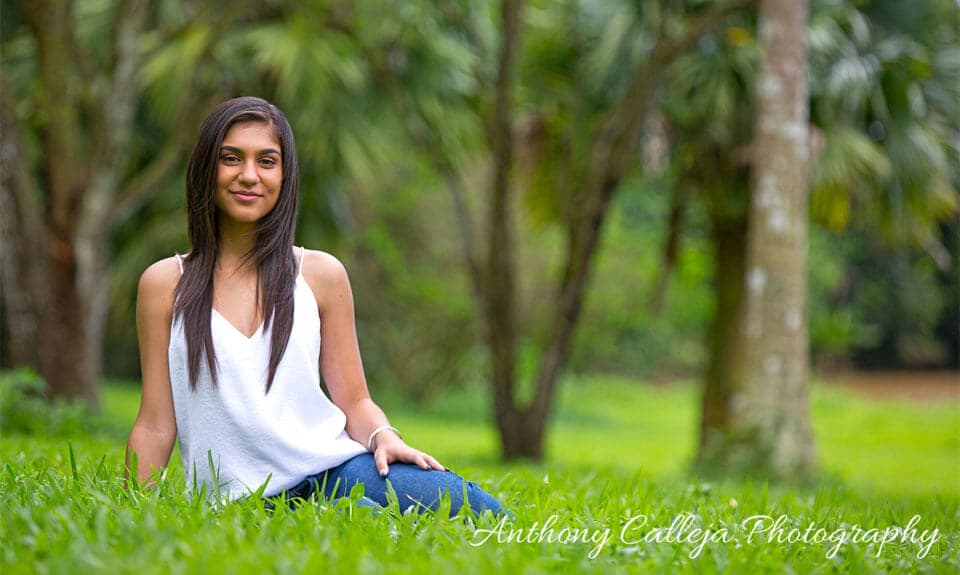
[854,175]
[82,152]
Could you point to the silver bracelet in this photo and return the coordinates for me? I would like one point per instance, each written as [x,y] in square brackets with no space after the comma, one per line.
[378,430]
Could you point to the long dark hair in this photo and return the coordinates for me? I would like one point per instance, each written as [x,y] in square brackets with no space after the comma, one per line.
[272,252]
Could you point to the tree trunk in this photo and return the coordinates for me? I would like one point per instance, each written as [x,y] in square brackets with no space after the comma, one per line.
[21,282]
[671,250]
[64,319]
[769,407]
[612,156]
[499,283]
[47,321]
[60,214]
[62,249]
[522,434]
[729,238]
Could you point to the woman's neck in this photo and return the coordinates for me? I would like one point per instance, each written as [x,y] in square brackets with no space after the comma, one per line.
[233,246]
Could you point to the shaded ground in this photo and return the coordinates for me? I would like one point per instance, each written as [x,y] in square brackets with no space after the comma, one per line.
[915,385]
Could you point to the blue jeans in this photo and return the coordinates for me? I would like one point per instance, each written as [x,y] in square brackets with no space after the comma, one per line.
[413,486]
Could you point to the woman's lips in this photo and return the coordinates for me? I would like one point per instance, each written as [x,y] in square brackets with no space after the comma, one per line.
[245,196]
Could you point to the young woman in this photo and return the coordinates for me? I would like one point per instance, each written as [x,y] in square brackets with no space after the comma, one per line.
[230,342]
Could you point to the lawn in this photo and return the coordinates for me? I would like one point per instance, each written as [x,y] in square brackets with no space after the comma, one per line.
[614,483]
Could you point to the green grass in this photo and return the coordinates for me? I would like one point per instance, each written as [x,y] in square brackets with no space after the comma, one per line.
[617,450]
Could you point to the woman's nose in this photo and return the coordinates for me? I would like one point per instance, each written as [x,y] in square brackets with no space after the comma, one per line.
[249,174]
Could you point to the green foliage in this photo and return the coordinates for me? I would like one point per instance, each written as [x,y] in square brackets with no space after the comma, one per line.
[383,106]
[156,231]
[619,333]
[884,102]
[25,409]
[886,87]
[350,82]
[879,305]
[835,325]
[618,452]
[414,312]
[850,165]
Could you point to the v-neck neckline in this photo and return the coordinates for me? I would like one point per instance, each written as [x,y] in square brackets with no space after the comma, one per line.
[234,328]
[296,285]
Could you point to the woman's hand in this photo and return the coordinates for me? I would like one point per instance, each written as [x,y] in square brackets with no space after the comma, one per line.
[343,370]
[390,449]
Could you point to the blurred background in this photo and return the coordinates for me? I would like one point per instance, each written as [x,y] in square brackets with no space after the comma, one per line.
[400,111]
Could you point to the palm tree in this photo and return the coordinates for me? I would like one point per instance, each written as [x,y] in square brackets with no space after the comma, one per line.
[890,75]
[857,178]
[886,90]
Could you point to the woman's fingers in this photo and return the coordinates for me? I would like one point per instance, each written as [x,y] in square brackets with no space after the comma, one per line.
[422,462]
[406,454]
[380,458]
[434,463]
[427,462]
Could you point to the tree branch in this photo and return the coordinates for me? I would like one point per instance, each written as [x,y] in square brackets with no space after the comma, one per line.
[613,151]
[16,174]
[500,282]
[671,249]
[146,184]
[702,24]
[241,11]
[141,189]
[63,155]
[623,121]
[112,129]
[420,131]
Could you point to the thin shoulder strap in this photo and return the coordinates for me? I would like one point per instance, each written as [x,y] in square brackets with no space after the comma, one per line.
[300,265]
[179,262]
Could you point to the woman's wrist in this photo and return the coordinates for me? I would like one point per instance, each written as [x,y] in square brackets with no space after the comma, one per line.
[383,431]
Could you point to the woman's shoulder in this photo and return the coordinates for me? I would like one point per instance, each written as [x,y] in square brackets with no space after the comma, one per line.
[325,274]
[322,266]
[160,279]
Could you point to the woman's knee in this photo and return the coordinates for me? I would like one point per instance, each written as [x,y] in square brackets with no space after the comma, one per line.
[481,501]
[439,484]
[413,486]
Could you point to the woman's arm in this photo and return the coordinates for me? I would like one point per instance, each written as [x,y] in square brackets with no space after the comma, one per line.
[155,429]
[343,369]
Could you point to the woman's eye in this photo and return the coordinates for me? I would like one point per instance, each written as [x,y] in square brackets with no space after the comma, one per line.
[229,159]
[269,162]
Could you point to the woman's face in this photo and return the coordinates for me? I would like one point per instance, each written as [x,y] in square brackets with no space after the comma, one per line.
[249,174]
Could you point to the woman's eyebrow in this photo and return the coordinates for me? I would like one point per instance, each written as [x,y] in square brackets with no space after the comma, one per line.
[239,151]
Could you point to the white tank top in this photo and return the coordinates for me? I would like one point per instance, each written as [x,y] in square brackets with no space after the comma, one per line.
[241,437]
